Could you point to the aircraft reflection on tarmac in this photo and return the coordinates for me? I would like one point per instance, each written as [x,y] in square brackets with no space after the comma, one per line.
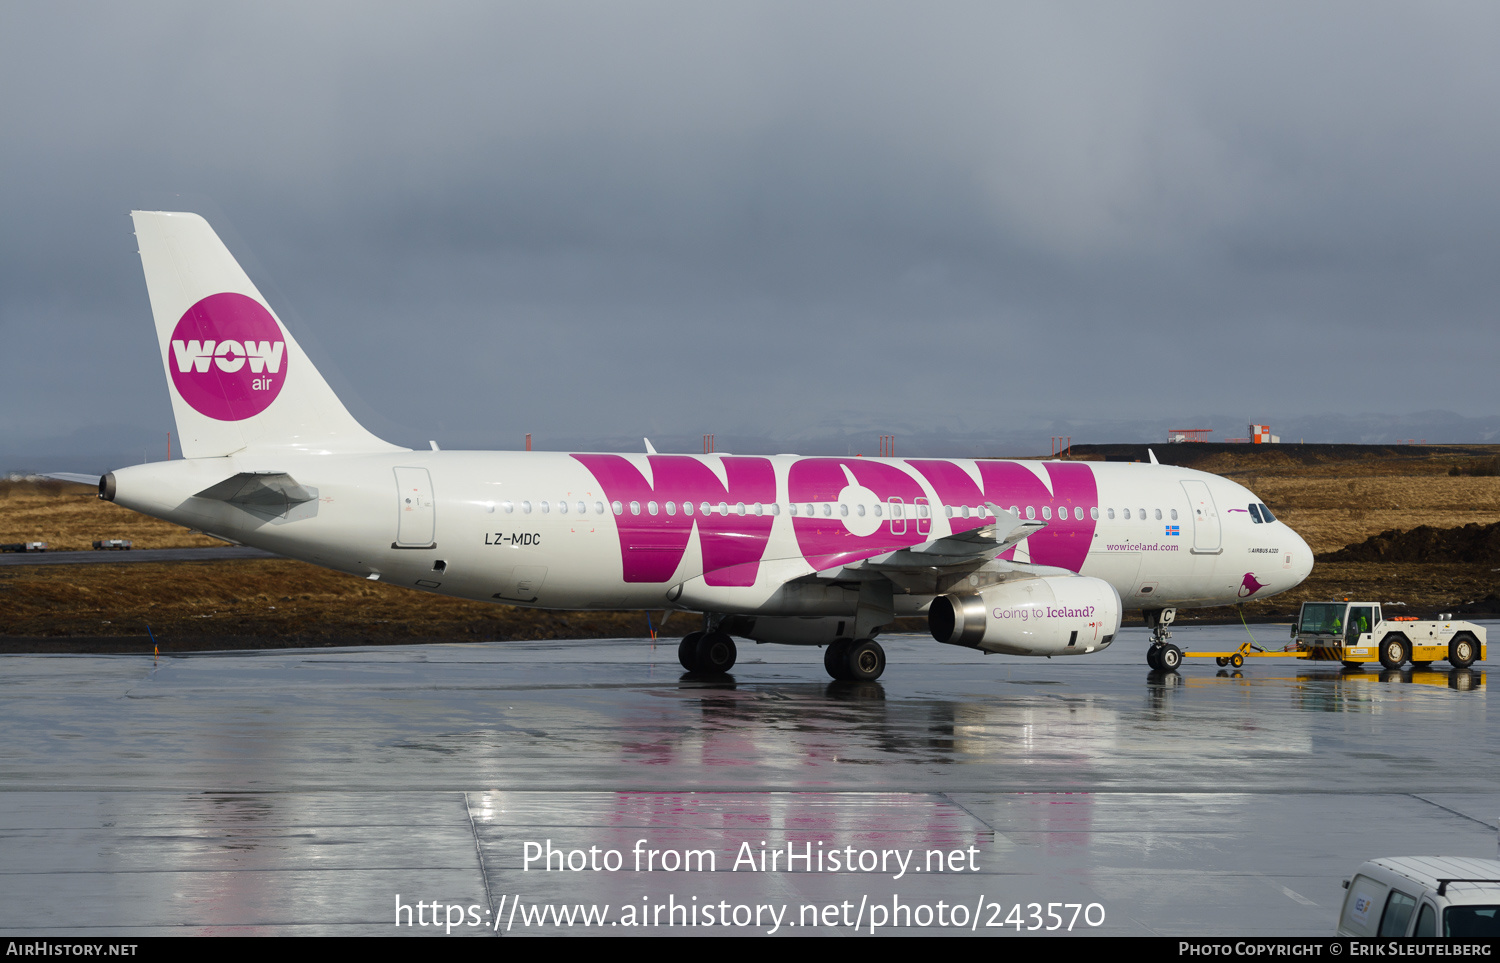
[1045,724]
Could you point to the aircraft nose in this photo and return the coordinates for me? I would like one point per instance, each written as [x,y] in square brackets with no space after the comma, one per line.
[1302,558]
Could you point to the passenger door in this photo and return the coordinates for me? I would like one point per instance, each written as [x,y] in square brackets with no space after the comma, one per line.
[1207,532]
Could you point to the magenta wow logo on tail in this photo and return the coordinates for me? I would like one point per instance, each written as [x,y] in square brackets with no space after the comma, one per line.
[228,357]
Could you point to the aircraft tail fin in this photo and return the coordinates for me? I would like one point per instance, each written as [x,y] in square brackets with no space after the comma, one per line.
[238,379]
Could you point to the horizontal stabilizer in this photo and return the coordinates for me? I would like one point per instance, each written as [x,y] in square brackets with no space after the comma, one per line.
[72,476]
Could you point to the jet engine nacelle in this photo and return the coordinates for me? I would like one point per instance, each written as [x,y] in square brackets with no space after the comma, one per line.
[1055,615]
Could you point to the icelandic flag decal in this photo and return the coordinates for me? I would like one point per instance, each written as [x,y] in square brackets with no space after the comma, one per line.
[1174,530]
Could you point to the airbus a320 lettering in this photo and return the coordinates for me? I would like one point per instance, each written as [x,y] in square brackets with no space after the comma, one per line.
[1018,557]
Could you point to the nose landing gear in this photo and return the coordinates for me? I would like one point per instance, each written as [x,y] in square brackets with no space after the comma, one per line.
[1162,656]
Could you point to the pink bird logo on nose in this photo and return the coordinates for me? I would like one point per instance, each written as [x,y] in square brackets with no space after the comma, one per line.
[1249,586]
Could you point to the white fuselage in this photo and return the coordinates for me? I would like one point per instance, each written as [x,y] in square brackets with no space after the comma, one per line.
[728,534]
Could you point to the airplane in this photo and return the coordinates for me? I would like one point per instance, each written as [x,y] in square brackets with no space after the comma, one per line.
[1038,558]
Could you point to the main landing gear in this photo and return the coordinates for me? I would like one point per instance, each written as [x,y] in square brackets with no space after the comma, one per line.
[1162,656]
[708,652]
[854,660]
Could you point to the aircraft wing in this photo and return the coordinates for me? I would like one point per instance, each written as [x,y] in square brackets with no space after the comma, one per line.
[951,553]
[1005,531]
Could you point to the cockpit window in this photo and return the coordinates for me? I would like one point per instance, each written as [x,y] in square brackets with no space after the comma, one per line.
[1267,513]
[1255,513]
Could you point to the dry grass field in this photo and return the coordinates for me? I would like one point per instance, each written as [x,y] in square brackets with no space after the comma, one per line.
[70,517]
[1332,503]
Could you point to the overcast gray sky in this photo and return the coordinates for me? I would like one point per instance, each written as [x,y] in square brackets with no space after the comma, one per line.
[791,224]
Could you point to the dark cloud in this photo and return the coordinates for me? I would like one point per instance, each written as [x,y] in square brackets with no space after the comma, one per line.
[784,223]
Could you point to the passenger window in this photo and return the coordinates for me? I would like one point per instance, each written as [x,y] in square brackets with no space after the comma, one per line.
[948,510]
[1030,512]
[635,508]
[1094,514]
[757,508]
[526,508]
[1174,514]
[705,509]
[723,508]
[1158,514]
[687,508]
[546,506]
[1047,512]
[1397,914]
[776,509]
[844,511]
[878,512]
[859,510]
[562,508]
[651,507]
[671,508]
[1143,514]
[1127,514]
[794,509]
[1255,513]
[599,508]
[739,508]
[508,506]
[615,506]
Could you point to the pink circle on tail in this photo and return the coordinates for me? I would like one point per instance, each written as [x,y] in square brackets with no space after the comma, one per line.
[228,357]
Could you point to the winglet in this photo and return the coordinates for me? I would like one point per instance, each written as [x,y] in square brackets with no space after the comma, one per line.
[650,448]
[1153,456]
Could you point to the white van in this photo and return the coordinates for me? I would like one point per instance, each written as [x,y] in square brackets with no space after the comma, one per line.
[1453,896]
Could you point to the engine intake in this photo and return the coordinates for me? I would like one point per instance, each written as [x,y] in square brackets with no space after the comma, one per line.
[1055,615]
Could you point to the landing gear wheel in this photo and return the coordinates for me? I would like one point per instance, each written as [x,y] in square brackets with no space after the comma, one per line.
[1462,651]
[1393,652]
[1153,656]
[1169,658]
[834,658]
[1236,660]
[864,661]
[687,651]
[716,653]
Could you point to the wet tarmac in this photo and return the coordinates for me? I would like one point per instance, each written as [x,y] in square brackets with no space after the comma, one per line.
[341,791]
